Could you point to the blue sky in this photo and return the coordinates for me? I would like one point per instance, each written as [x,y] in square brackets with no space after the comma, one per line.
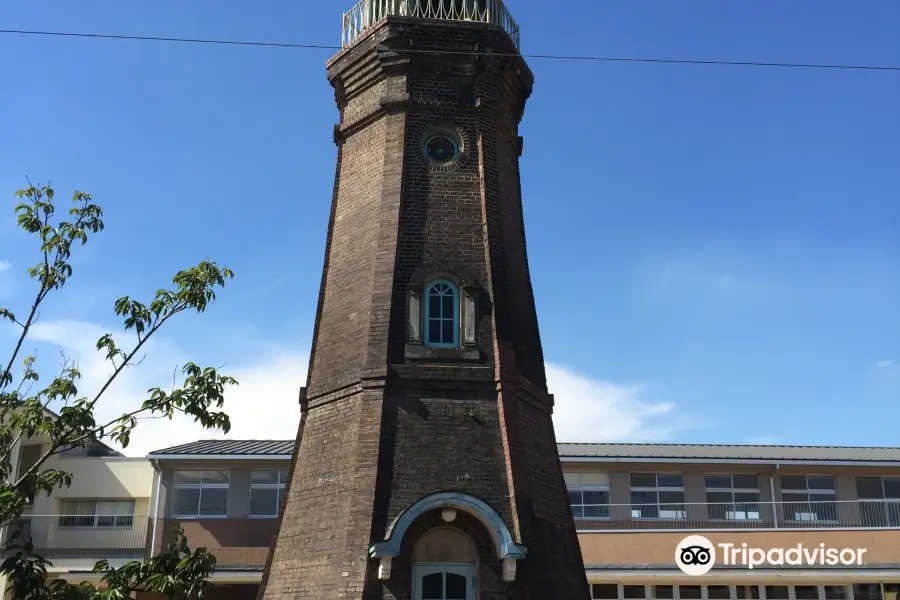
[714,249]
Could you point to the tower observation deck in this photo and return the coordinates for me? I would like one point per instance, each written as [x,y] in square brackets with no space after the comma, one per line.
[367,13]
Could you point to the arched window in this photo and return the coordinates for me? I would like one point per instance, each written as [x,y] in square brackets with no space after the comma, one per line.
[441,314]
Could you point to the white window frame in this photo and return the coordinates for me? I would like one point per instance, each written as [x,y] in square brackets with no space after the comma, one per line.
[581,487]
[124,520]
[890,506]
[808,517]
[201,486]
[884,496]
[734,514]
[657,489]
[464,569]
[280,485]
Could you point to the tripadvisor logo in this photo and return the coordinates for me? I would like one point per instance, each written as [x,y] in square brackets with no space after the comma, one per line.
[696,555]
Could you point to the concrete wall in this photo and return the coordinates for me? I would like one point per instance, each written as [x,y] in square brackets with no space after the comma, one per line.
[100,478]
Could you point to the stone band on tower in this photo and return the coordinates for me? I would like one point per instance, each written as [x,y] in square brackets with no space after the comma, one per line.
[426,464]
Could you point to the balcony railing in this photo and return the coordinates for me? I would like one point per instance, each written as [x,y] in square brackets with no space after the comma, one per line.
[839,514]
[368,12]
[89,533]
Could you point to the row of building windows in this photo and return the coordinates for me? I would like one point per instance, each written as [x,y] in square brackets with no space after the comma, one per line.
[205,493]
[729,496]
[856,591]
[96,513]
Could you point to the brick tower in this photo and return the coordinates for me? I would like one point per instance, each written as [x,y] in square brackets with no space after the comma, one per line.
[425,465]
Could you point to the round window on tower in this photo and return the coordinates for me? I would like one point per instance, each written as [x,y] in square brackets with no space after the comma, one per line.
[442,148]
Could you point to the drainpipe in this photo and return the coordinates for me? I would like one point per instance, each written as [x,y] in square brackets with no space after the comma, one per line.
[772,494]
[155,505]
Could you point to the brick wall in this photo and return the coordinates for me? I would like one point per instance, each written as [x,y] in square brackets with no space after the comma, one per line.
[384,428]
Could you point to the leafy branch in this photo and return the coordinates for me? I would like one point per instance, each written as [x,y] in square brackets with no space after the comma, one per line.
[26,414]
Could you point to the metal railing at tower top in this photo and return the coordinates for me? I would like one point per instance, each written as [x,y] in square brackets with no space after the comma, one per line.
[368,12]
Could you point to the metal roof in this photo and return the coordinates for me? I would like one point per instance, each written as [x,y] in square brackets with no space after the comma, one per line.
[607,452]
[719,452]
[261,448]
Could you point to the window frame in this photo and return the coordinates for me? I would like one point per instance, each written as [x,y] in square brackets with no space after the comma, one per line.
[427,318]
[890,506]
[201,485]
[20,463]
[809,492]
[880,478]
[734,503]
[582,487]
[127,519]
[283,475]
[657,489]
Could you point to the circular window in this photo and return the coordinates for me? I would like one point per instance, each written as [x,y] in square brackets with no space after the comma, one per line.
[441,148]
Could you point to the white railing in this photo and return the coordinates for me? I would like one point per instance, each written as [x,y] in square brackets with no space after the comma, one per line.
[90,532]
[368,12]
[837,514]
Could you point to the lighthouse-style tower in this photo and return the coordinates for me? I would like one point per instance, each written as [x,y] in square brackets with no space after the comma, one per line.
[426,465]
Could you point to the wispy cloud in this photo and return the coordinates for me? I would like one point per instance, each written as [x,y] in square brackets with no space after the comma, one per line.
[885,364]
[762,441]
[712,279]
[264,405]
[591,410]
[6,278]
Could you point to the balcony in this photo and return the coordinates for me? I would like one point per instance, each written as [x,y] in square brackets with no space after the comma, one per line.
[369,12]
[90,535]
[239,544]
[852,514]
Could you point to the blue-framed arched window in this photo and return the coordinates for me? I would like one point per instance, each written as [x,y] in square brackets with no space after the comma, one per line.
[441,314]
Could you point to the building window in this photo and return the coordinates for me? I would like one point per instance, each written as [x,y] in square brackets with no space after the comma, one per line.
[778,592]
[200,494]
[733,497]
[835,592]
[657,496]
[690,592]
[808,498]
[605,591]
[29,455]
[718,592]
[588,495]
[634,592]
[441,314]
[880,506]
[96,513]
[266,490]
[866,591]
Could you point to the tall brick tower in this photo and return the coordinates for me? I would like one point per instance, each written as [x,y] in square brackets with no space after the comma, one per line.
[426,466]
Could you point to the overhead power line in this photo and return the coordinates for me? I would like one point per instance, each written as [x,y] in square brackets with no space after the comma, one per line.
[732,63]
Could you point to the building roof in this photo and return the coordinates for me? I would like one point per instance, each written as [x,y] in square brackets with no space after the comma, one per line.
[229,448]
[726,452]
[588,452]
